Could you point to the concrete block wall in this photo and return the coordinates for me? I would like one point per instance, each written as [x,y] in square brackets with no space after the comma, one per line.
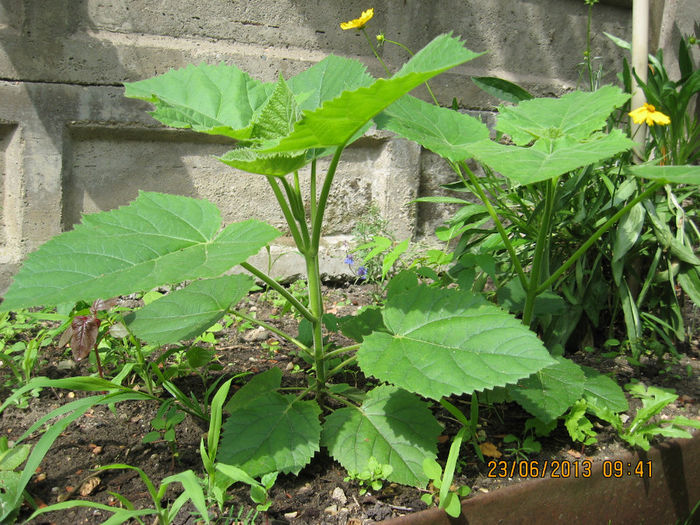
[70,143]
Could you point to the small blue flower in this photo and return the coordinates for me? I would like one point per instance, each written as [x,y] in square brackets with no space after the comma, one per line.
[348,260]
[362,272]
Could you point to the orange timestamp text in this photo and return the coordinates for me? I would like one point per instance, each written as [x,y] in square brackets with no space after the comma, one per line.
[567,469]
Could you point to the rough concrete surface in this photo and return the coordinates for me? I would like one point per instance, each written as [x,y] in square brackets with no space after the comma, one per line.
[70,143]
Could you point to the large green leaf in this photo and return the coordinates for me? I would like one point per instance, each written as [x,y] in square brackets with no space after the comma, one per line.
[547,159]
[276,164]
[393,426]
[277,116]
[276,433]
[10,495]
[444,342]
[551,391]
[443,131]
[603,391]
[219,100]
[186,313]
[576,114]
[157,239]
[669,174]
[337,120]
[328,79]
[258,386]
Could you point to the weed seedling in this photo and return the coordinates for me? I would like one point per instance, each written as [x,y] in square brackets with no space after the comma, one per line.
[167,418]
[373,477]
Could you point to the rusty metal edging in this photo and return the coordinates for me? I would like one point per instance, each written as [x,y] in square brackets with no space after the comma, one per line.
[667,497]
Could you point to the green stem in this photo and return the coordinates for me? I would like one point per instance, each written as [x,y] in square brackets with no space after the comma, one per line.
[374,50]
[540,252]
[497,221]
[279,289]
[288,215]
[402,46]
[317,218]
[344,350]
[314,275]
[297,206]
[597,235]
[589,65]
[342,400]
[316,305]
[142,363]
[341,366]
[312,188]
[272,329]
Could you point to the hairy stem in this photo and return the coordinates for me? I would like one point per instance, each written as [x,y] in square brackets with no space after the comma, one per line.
[497,221]
[272,283]
[597,235]
[540,253]
[288,215]
[272,329]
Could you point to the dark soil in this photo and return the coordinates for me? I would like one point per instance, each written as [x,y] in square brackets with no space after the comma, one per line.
[319,494]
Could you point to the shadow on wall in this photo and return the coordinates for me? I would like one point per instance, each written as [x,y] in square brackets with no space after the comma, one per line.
[527,41]
[72,80]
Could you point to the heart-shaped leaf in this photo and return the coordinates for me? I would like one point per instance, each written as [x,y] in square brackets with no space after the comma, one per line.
[155,240]
[443,131]
[186,313]
[443,342]
[551,391]
[279,433]
[337,120]
[549,158]
[391,425]
[218,100]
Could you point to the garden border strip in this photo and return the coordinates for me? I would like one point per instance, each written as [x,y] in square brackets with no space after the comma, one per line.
[668,496]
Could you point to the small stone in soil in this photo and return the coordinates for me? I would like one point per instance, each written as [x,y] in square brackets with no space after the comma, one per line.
[339,496]
[257,334]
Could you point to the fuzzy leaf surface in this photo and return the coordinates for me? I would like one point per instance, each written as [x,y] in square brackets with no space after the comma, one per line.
[547,159]
[391,425]
[157,239]
[551,391]
[444,342]
[603,391]
[337,120]
[275,164]
[576,114]
[443,131]
[186,313]
[277,116]
[276,433]
[258,386]
[327,79]
[214,99]
[668,174]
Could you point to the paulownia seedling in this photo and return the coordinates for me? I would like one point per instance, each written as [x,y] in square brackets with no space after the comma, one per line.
[83,332]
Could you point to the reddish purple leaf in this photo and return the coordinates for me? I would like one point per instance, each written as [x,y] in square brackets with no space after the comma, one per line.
[84,335]
[101,304]
[65,337]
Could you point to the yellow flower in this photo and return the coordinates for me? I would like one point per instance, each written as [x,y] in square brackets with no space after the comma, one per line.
[359,23]
[649,114]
